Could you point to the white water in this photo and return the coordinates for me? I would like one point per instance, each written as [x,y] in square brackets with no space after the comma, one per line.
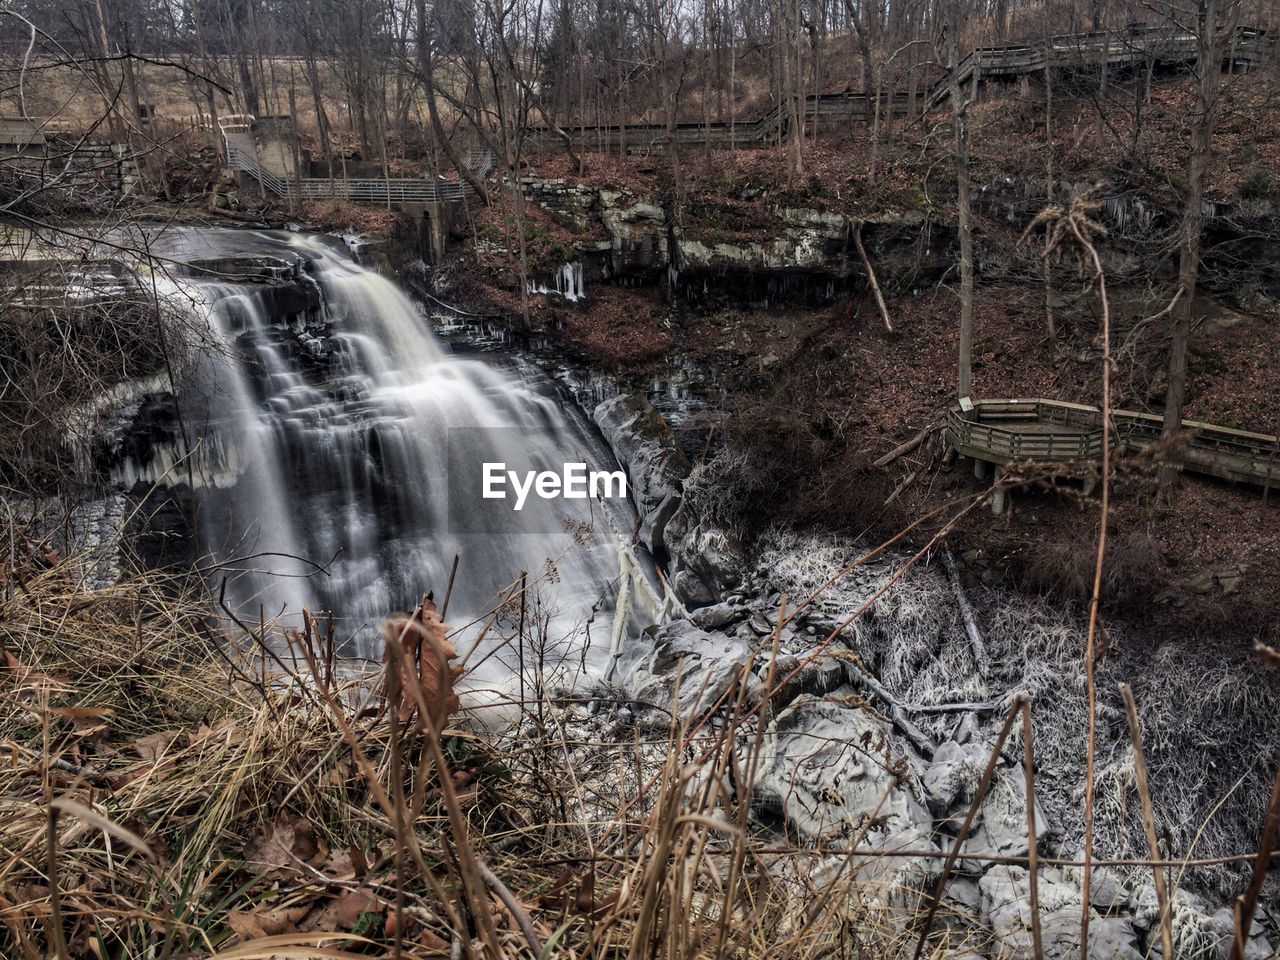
[567,282]
[342,461]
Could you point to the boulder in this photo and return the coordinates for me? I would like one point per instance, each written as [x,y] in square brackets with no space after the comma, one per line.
[704,553]
[1106,892]
[825,767]
[694,592]
[718,615]
[952,776]
[701,665]
[816,675]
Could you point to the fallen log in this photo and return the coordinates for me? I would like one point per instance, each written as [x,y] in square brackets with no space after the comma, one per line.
[871,276]
[966,614]
[905,448]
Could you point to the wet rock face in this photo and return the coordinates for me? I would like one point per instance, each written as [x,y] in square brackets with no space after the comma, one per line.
[638,237]
[247,268]
[792,255]
[283,285]
[656,466]
[146,425]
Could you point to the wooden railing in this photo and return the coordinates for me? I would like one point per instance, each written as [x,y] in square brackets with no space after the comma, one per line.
[1248,48]
[1010,431]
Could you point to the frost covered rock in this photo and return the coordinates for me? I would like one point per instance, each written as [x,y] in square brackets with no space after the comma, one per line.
[1198,934]
[718,615]
[701,665]
[1006,898]
[965,894]
[643,443]
[1110,937]
[1258,947]
[816,675]
[703,557]
[825,767]
[1106,892]
[1006,907]
[692,589]
[1002,823]
[952,776]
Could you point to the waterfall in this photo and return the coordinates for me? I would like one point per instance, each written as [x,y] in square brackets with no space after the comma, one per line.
[347,439]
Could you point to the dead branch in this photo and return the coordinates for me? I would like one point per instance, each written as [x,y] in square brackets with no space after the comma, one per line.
[908,446]
[871,277]
[1149,820]
[513,905]
[966,613]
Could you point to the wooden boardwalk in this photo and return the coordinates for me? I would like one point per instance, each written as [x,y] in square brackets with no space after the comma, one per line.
[1051,431]
[1247,49]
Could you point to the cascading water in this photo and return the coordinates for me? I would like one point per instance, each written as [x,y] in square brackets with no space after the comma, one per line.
[329,442]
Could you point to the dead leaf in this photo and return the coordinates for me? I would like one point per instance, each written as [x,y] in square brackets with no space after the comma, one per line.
[84,720]
[342,773]
[427,651]
[28,682]
[434,945]
[586,898]
[345,866]
[396,922]
[278,850]
[205,732]
[352,903]
[153,745]
[359,862]
[252,924]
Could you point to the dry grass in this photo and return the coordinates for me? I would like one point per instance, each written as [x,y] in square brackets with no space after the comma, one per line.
[167,796]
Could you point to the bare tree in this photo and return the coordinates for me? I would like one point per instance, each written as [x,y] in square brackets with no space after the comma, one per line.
[960,131]
[1211,36]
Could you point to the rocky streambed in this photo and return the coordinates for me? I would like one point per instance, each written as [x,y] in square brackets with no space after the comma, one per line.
[884,721]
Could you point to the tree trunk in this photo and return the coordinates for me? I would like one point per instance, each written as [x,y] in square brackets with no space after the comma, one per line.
[959,119]
[427,69]
[1203,116]
[1050,327]
[247,86]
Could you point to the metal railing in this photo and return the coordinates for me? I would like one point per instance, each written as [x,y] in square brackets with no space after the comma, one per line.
[361,190]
